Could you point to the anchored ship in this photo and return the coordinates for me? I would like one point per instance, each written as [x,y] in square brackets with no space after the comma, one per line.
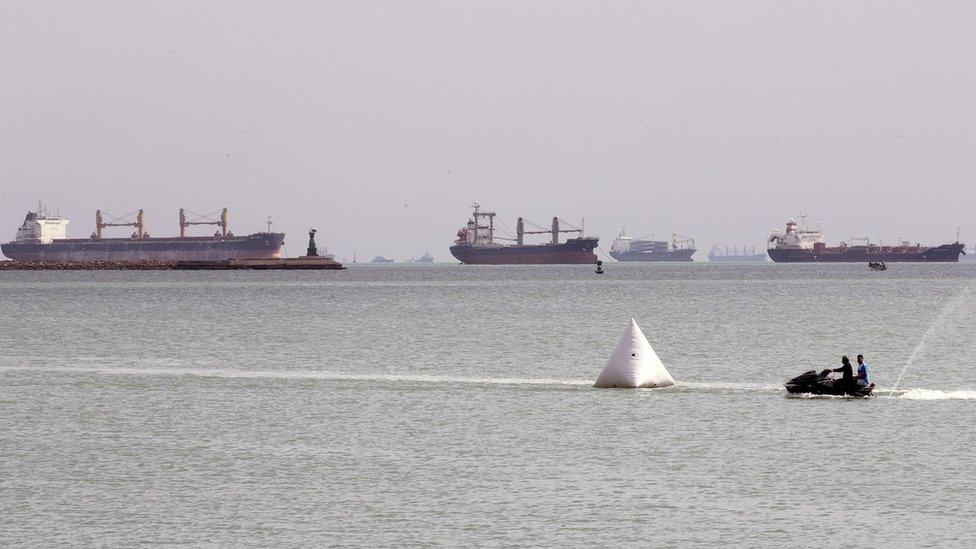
[798,244]
[969,257]
[426,258]
[476,244]
[734,255]
[44,237]
[626,248]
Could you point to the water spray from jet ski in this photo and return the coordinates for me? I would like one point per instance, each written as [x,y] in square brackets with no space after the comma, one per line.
[963,297]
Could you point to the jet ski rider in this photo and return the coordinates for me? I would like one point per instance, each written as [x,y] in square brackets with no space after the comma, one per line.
[847,377]
[862,372]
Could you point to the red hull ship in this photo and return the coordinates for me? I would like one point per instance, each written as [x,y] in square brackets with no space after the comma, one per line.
[476,244]
[801,245]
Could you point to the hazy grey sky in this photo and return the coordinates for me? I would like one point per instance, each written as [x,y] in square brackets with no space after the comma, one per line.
[380,123]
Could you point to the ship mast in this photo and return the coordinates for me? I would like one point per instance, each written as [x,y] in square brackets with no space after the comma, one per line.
[491,222]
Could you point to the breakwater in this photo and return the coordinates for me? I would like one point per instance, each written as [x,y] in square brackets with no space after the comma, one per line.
[290,263]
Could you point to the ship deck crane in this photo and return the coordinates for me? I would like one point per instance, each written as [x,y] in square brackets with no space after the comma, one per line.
[554,230]
[677,239]
[207,220]
[138,224]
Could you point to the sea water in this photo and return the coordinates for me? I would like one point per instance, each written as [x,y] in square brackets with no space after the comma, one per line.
[419,405]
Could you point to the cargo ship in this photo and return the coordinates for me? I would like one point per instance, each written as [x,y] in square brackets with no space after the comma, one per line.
[969,257]
[734,255]
[477,244]
[426,258]
[44,237]
[797,244]
[626,248]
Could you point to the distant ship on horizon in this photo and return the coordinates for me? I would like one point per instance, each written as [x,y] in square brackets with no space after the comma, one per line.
[733,255]
[797,244]
[969,257]
[627,249]
[476,244]
[426,258]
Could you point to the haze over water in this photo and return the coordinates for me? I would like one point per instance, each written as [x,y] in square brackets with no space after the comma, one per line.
[407,405]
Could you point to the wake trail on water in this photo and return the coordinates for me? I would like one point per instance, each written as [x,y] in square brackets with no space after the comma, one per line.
[227,373]
[678,387]
[932,394]
[724,386]
[903,394]
[230,373]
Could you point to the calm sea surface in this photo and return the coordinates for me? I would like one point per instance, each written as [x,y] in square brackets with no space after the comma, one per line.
[420,405]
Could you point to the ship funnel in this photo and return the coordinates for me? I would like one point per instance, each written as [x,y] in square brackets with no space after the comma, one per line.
[634,363]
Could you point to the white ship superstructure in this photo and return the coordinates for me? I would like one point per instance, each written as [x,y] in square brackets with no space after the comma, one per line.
[42,228]
[621,244]
[796,237]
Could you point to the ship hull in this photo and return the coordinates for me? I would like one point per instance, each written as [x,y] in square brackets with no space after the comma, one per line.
[946,253]
[670,255]
[255,246]
[572,252]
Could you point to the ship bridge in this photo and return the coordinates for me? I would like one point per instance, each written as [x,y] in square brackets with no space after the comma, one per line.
[41,227]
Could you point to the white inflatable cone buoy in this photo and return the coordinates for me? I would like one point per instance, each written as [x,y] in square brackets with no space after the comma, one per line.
[634,363]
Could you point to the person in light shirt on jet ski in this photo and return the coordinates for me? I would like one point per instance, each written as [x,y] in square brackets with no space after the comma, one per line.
[862,372]
[847,374]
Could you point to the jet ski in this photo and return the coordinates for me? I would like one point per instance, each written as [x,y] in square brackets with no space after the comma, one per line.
[823,384]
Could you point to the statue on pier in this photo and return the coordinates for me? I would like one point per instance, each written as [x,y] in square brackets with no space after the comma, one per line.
[312,250]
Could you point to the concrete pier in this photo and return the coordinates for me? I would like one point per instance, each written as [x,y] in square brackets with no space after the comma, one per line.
[285,263]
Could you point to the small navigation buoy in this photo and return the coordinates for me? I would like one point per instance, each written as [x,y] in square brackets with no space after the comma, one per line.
[634,363]
[599,267]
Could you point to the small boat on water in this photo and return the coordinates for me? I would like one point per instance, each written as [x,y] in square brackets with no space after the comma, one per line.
[381,259]
[824,384]
[877,266]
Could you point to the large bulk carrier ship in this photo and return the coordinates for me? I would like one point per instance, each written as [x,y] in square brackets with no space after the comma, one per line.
[626,248]
[476,244]
[801,245]
[44,237]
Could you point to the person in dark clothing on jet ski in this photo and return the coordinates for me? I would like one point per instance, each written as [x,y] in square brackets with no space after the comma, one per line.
[847,374]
